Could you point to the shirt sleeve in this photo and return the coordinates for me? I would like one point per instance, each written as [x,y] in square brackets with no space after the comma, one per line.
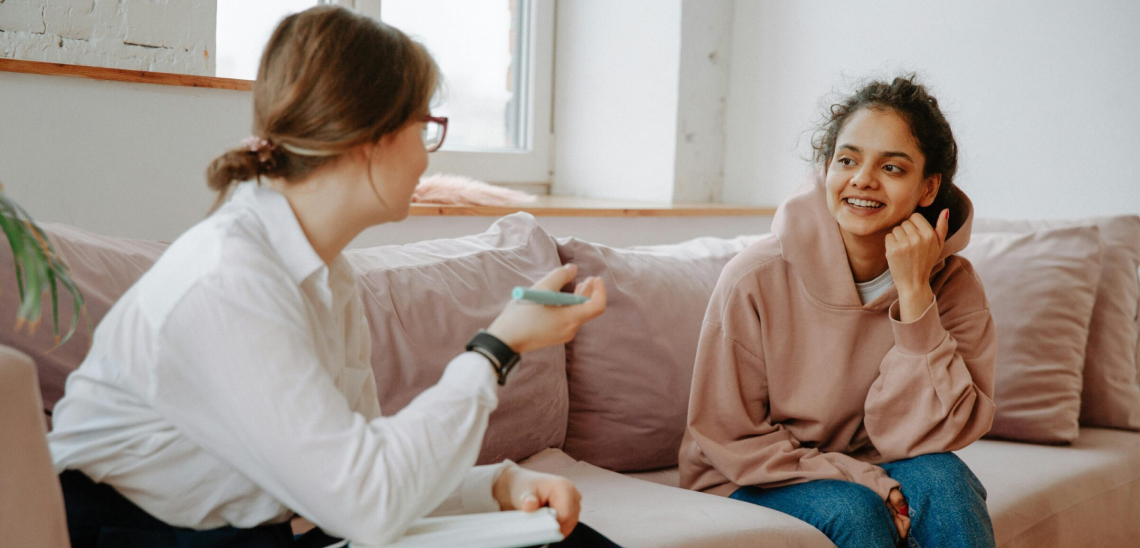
[368,404]
[729,412]
[240,376]
[934,392]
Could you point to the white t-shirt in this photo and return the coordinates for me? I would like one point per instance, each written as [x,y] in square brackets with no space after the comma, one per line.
[232,385]
[870,290]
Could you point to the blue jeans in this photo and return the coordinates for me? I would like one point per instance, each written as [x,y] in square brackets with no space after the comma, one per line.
[947,506]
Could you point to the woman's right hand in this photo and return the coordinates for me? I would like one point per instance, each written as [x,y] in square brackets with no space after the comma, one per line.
[896,502]
[526,326]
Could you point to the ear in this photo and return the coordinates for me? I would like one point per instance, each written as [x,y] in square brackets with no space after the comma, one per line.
[930,189]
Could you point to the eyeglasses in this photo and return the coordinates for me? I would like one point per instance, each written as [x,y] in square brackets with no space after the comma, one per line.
[435,129]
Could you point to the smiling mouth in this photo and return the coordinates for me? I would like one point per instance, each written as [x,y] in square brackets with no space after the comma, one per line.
[863,204]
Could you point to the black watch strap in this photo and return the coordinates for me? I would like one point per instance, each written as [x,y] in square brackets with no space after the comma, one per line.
[502,358]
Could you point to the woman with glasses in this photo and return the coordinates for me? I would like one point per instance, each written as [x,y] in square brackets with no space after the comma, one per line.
[230,388]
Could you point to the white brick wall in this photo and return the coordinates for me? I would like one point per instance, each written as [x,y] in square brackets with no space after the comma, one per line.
[158,35]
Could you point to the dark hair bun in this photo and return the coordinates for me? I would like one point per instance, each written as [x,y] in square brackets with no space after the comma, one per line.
[237,164]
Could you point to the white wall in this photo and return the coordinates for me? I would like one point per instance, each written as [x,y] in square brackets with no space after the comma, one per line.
[164,35]
[129,160]
[640,89]
[1042,94]
[115,158]
[705,59]
[615,108]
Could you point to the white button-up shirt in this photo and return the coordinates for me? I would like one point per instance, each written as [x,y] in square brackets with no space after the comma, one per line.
[231,385]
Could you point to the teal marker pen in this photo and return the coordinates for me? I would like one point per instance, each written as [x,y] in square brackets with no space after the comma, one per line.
[548,298]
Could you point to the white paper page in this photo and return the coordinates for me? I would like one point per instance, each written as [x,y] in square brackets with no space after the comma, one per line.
[514,529]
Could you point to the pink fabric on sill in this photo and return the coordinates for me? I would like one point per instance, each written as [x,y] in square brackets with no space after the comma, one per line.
[630,369]
[425,300]
[1042,287]
[442,188]
[1110,396]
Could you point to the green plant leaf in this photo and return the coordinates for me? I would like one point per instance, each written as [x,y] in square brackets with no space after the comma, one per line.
[37,264]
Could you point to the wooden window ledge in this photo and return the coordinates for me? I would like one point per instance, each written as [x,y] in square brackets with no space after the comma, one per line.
[565,206]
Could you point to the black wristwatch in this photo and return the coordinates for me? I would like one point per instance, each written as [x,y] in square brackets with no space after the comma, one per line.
[502,358]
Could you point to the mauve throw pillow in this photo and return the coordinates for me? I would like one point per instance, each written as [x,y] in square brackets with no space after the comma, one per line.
[630,370]
[1111,393]
[424,301]
[1041,286]
[103,268]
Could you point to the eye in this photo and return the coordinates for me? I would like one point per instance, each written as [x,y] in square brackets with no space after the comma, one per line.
[891,168]
[845,161]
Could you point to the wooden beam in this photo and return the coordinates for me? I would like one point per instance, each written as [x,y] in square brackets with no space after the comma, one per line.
[123,75]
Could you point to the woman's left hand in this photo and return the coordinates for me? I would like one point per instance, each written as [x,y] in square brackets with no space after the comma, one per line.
[900,512]
[520,489]
[913,248]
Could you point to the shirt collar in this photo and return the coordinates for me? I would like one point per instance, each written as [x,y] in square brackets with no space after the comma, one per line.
[282,228]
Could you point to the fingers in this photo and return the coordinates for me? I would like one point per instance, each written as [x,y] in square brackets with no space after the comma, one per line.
[896,502]
[900,235]
[903,525]
[527,502]
[595,289]
[555,279]
[943,225]
[581,288]
[911,229]
[561,495]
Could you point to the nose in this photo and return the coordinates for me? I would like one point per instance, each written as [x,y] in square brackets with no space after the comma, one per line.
[864,178]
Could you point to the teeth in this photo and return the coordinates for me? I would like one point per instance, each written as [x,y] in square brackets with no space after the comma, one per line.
[863,203]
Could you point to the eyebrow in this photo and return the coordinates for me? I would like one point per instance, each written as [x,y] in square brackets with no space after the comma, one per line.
[891,154]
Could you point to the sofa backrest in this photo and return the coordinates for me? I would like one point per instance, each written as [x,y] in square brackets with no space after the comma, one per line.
[103,268]
[630,370]
[423,302]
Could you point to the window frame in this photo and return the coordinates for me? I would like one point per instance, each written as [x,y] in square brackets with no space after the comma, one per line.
[532,164]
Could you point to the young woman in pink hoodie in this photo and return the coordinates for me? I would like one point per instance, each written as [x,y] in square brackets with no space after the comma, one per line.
[841,361]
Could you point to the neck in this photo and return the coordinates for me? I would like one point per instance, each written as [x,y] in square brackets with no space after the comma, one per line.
[866,255]
[322,204]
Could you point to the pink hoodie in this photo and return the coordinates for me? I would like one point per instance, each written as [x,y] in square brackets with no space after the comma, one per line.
[796,380]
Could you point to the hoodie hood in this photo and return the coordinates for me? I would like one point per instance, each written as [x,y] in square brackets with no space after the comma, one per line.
[810,242]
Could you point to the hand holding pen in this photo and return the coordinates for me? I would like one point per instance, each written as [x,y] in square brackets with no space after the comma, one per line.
[524,325]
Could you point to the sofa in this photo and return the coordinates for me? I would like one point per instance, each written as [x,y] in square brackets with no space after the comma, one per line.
[608,409]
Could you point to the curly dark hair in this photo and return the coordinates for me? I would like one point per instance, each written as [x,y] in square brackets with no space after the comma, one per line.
[911,101]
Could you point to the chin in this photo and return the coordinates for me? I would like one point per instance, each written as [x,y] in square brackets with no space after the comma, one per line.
[860,227]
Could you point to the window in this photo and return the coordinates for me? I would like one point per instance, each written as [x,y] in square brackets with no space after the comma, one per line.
[243,28]
[495,55]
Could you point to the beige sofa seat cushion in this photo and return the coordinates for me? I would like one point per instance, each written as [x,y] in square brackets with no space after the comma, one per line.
[1040,496]
[1084,494]
[638,514]
[31,504]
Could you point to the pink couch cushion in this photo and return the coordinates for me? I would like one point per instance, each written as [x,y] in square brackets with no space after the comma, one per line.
[1041,286]
[1111,393]
[1084,494]
[103,268]
[425,300]
[630,370]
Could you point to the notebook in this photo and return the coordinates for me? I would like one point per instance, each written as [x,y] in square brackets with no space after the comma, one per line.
[514,529]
